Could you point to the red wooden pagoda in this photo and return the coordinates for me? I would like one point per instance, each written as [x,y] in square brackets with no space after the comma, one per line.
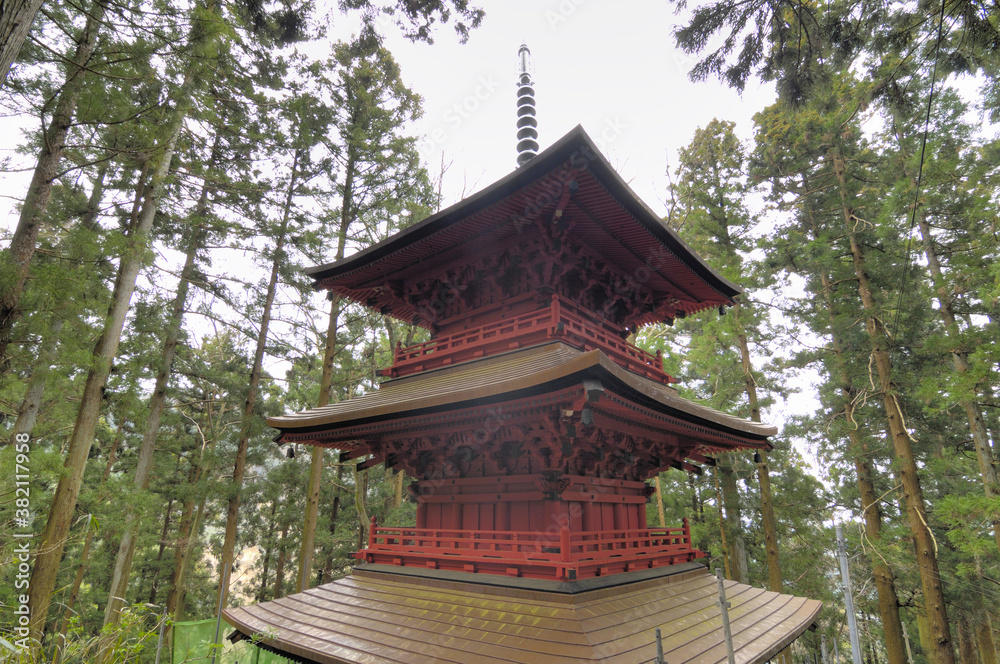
[528,420]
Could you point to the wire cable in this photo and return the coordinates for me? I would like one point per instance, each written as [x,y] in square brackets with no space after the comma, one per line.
[920,176]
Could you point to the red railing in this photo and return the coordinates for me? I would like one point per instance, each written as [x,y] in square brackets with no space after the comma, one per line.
[561,554]
[561,320]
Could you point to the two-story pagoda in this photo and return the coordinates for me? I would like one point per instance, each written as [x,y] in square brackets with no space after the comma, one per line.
[530,425]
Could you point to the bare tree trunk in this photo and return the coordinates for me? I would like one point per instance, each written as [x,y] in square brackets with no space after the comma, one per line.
[22,245]
[966,642]
[923,540]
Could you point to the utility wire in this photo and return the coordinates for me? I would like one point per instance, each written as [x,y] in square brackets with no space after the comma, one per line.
[920,175]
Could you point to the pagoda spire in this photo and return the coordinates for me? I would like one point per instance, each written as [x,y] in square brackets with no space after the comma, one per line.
[527,125]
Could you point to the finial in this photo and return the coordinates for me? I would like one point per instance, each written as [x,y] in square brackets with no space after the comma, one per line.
[527,126]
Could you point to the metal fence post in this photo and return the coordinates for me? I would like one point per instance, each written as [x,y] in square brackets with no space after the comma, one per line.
[727,632]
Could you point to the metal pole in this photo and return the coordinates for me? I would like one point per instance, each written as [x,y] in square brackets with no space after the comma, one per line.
[845,575]
[159,642]
[727,632]
[822,648]
[218,617]
[659,648]
[906,640]
[836,650]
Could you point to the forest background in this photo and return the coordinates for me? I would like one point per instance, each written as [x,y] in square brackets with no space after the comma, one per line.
[136,352]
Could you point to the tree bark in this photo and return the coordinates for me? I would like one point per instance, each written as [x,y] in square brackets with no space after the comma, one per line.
[27,413]
[923,540]
[763,472]
[270,544]
[310,518]
[157,404]
[188,528]
[279,568]
[734,519]
[984,639]
[660,513]
[53,539]
[885,586]
[16,17]
[85,554]
[22,245]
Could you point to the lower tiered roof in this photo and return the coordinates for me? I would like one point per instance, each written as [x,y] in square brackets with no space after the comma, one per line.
[494,387]
[407,617]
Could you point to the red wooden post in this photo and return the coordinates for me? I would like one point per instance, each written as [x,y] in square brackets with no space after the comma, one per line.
[564,543]
[556,314]
[371,533]
[687,532]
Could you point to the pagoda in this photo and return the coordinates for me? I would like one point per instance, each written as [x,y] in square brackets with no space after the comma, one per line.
[529,423]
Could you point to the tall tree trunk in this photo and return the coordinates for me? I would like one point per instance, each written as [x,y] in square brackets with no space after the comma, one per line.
[763,472]
[360,492]
[158,402]
[27,413]
[734,519]
[727,567]
[923,540]
[311,516]
[164,532]
[888,601]
[334,514]
[279,568]
[16,17]
[959,355]
[960,360]
[984,639]
[22,245]
[88,541]
[249,407]
[658,489]
[188,528]
[53,539]
[270,544]
[966,642]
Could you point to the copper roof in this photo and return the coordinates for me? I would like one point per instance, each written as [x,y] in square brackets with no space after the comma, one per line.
[608,218]
[373,617]
[505,377]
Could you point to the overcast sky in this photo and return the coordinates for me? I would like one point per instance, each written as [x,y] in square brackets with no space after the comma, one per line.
[611,67]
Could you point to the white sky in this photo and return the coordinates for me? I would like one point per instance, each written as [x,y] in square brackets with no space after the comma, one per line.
[611,67]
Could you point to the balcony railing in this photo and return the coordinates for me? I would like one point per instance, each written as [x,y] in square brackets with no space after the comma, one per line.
[560,554]
[561,320]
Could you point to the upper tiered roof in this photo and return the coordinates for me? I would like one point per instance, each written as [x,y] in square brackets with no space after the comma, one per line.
[565,221]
